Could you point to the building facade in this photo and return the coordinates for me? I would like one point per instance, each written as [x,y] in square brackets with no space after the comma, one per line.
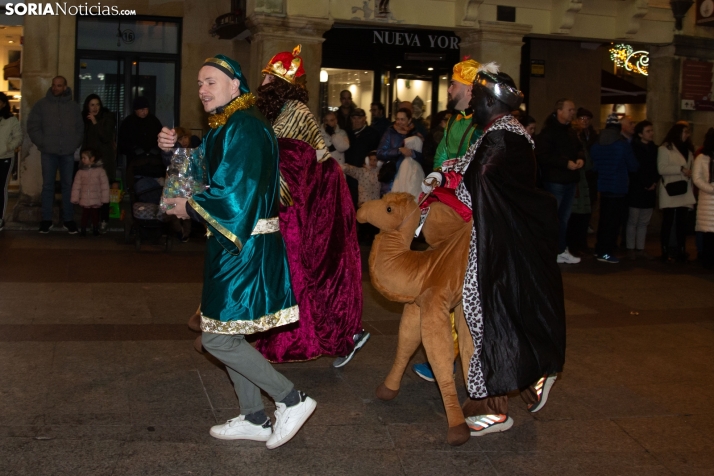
[380,50]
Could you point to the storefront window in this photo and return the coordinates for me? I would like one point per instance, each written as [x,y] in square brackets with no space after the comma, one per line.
[146,36]
[417,92]
[358,82]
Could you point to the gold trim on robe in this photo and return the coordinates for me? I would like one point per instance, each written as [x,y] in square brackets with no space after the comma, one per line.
[211,221]
[280,318]
[266,225]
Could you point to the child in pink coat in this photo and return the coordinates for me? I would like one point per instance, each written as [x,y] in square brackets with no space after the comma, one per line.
[90,189]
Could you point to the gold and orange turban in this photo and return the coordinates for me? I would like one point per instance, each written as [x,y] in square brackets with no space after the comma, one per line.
[287,66]
[465,72]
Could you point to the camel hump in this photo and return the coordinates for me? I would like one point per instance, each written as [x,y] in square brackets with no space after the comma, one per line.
[444,224]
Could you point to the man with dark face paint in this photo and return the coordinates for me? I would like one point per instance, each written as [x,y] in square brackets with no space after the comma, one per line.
[513,291]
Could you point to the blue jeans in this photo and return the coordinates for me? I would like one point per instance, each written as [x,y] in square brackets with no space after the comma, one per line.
[50,164]
[564,194]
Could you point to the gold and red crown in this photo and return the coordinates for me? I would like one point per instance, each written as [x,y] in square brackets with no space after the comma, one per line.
[287,66]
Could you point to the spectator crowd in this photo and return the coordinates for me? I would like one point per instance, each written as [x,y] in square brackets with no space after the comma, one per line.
[623,175]
[607,182]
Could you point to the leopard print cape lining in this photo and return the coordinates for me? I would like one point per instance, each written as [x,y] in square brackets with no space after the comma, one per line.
[473,312]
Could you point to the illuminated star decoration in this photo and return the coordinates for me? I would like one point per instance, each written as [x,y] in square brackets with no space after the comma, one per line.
[624,56]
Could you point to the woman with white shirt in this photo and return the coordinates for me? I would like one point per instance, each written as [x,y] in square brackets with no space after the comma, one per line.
[335,138]
[674,164]
[703,177]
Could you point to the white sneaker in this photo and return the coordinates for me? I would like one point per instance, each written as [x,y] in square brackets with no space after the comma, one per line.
[566,257]
[239,428]
[289,420]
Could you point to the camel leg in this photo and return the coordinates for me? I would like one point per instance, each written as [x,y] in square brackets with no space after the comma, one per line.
[409,340]
[439,346]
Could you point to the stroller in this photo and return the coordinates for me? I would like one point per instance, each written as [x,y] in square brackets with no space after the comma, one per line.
[145,220]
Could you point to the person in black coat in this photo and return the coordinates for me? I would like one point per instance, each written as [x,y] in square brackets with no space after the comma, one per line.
[138,140]
[642,195]
[513,290]
[560,158]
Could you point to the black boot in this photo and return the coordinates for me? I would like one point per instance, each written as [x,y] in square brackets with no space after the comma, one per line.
[665,254]
[682,255]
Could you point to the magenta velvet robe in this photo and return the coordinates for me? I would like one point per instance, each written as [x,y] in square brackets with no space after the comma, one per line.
[325,268]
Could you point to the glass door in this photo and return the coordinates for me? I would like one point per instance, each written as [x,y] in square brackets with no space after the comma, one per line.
[110,79]
[103,77]
[156,81]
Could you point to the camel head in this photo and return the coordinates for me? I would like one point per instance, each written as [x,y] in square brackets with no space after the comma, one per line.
[391,211]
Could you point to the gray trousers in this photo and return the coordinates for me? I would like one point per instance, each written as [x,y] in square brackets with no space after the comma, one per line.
[637,222]
[248,369]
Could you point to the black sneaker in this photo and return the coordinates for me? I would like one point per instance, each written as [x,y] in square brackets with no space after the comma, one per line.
[360,340]
[83,232]
[95,230]
[45,226]
[71,227]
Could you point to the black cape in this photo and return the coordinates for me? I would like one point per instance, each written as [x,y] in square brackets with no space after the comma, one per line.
[519,281]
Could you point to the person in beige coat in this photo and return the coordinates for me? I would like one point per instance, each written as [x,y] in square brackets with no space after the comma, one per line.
[703,177]
[10,139]
[90,189]
[674,163]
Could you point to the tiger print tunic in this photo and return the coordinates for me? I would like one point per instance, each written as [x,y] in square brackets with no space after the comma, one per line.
[296,121]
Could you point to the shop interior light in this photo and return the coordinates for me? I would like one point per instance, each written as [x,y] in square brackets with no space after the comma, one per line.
[324,76]
[430,69]
[10,41]
[399,67]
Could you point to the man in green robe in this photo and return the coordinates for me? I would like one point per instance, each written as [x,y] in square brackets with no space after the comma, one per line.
[460,131]
[459,134]
[246,285]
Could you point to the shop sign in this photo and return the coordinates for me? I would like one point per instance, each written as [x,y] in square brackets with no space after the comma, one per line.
[404,38]
[697,85]
[705,12]
[354,48]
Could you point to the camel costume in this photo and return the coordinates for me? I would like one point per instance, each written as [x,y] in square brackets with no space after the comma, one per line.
[429,283]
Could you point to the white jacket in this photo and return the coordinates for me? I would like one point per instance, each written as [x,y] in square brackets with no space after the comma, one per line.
[10,137]
[339,140]
[705,208]
[409,177]
[669,166]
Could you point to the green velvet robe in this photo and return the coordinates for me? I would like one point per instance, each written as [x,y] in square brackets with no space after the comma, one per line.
[458,137]
[246,276]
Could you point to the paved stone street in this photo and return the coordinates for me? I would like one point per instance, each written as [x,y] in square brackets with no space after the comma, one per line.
[98,376]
